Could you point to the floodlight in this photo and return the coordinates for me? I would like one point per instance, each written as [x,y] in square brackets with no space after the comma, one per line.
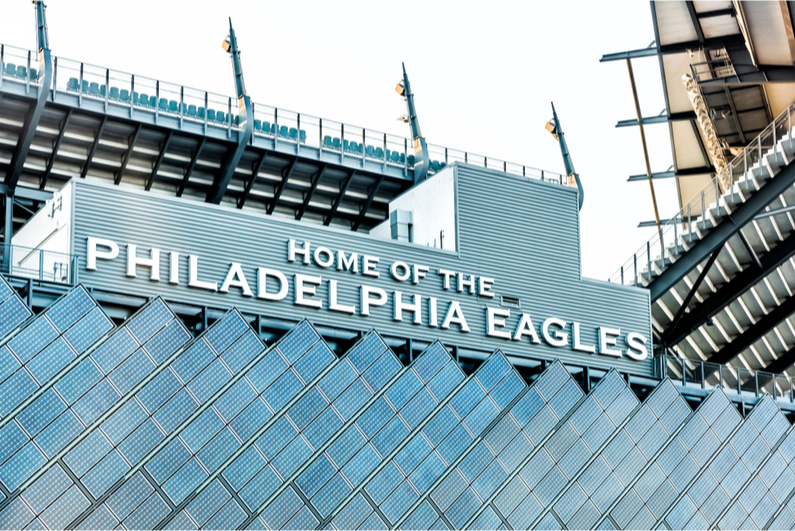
[227,45]
[403,118]
[400,89]
[552,127]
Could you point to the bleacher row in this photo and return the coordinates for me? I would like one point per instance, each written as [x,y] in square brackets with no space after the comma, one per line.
[216,117]
[19,72]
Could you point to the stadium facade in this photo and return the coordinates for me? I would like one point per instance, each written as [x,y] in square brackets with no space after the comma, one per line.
[257,319]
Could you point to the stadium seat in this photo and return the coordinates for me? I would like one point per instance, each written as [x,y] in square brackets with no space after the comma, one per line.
[84,87]
[200,112]
[114,93]
[210,115]
[73,85]
[434,165]
[369,152]
[102,91]
[152,102]
[294,134]
[173,106]
[143,100]
[442,165]
[34,75]
[124,95]
[283,131]
[337,145]
[327,142]
[191,111]
[257,125]
[183,108]
[403,158]
[346,146]
[396,157]
[22,72]
[237,120]
[302,136]
[266,128]
[220,117]
[410,160]
[352,147]
[11,69]
[163,104]
[93,89]
[379,153]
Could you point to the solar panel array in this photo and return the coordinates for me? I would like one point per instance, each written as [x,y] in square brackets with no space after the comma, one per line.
[142,426]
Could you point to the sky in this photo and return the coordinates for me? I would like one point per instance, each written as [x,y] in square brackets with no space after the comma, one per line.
[483,75]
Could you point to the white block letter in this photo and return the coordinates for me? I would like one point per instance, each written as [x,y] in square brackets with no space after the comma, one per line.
[93,253]
[193,275]
[368,299]
[262,284]
[236,279]
[495,317]
[305,286]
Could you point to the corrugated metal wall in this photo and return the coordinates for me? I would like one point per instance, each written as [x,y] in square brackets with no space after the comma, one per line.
[521,232]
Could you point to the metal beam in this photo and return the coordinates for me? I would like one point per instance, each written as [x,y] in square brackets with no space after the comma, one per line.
[693,291]
[55,147]
[647,224]
[22,192]
[190,167]
[782,363]
[734,115]
[661,119]
[643,145]
[94,146]
[250,184]
[33,115]
[315,180]
[280,189]
[337,201]
[683,172]
[126,158]
[720,234]
[679,47]
[159,160]
[366,207]
[660,61]
[754,332]
[731,291]
[691,9]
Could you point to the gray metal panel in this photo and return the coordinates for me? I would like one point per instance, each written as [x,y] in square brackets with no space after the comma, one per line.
[521,232]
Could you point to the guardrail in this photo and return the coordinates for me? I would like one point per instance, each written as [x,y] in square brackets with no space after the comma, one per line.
[38,264]
[678,230]
[146,95]
[736,381]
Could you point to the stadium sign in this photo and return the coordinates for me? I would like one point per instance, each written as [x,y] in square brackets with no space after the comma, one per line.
[273,285]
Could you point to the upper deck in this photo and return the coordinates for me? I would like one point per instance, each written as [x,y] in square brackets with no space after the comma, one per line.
[134,130]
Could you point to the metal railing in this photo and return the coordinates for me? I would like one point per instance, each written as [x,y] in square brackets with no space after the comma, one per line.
[38,264]
[733,380]
[146,95]
[675,234]
[712,70]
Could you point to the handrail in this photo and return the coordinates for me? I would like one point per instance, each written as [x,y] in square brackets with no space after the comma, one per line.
[733,380]
[218,111]
[679,229]
[39,264]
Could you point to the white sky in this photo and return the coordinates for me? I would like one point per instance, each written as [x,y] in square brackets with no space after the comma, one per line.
[483,73]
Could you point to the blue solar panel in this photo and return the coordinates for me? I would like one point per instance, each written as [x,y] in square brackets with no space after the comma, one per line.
[12,313]
[297,438]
